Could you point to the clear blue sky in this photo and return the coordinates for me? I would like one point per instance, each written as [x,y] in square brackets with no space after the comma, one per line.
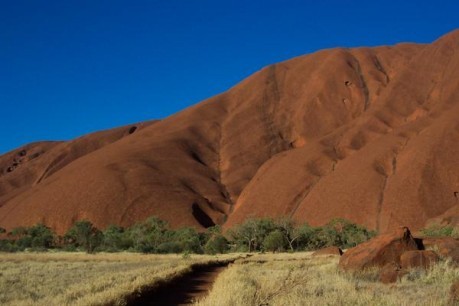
[72,67]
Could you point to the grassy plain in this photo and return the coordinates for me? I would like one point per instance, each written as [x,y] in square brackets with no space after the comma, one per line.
[300,279]
[85,279]
[262,279]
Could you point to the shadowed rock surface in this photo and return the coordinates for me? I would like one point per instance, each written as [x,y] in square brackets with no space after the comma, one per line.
[390,273]
[379,251]
[367,134]
[444,246]
[396,253]
[418,259]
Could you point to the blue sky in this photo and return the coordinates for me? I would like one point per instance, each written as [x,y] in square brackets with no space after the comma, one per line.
[72,67]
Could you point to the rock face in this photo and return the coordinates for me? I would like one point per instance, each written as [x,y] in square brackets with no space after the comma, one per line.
[418,259]
[366,134]
[379,251]
[328,251]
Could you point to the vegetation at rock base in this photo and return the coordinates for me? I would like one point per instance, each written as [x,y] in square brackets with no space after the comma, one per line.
[274,241]
[438,230]
[257,235]
[85,235]
[36,238]
[277,278]
[154,235]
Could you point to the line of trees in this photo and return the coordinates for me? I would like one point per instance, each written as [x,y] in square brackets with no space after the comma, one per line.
[155,236]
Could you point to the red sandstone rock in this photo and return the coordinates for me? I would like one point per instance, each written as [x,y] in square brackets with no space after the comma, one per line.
[390,273]
[366,134]
[418,259]
[444,246]
[379,251]
[328,251]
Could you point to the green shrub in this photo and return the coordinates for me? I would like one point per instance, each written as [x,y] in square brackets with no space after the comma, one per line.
[42,237]
[115,238]
[308,237]
[189,240]
[148,235]
[7,246]
[344,234]
[274,241]
[85,235]
[171,247]
[338,232]
[217,244]
[437,230]
[251,233]
[154,236]
[38,237]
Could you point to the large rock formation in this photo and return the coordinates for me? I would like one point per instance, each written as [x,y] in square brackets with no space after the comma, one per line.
[367,134]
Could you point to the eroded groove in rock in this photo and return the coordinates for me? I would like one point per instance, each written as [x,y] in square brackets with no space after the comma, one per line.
[362,85]
[202,217]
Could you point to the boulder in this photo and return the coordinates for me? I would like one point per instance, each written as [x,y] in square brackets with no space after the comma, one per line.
[444,246]
[390,273]
[379,251]
[418,259]
[328,251]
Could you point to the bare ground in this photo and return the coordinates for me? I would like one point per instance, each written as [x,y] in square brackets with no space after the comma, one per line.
[183,290]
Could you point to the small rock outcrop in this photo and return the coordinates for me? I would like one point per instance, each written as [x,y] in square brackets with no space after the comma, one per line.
[444,246]
[390,273]
[379,251]
[333,250]
[398,252]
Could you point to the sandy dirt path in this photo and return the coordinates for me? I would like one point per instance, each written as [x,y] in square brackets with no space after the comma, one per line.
[183,290]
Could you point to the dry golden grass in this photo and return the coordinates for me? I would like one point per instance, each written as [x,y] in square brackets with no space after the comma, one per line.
[263,279]
[83,279]
[300,279]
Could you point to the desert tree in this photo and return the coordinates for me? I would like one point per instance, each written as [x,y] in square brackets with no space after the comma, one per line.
[84,234]
[343,233]
[290,231]
[114,238]
[42,237]
[188,239]
[215,241]
[252,232]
